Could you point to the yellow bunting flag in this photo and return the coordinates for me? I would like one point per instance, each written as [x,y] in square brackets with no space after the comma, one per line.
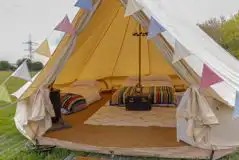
[4,95]
[44,49]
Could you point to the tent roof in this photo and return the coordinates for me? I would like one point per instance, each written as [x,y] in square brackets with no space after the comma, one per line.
[173,17]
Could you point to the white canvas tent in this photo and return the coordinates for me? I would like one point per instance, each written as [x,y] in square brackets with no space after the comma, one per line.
[204,117]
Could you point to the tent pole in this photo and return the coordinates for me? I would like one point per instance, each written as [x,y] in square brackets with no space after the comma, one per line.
[140,59]
[212,155]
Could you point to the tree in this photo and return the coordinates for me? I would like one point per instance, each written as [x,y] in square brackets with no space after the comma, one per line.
[32,66]
[231,35]
[5,66]
[224,32]
[36,66]
[213,28]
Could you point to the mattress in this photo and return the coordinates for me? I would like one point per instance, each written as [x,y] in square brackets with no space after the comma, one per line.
[159,95]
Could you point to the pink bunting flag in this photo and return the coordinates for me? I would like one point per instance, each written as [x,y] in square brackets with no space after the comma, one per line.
[66,26]
[209,77]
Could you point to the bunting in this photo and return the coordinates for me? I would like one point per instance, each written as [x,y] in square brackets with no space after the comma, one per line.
[235,113]
[154,29]
[132,7]
[23,89]
[22,72]
[180,52]
[44,49]
[66,26]
[209,77]
[84,4]
[4,95]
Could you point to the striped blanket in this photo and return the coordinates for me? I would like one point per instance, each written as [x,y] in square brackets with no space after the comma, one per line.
[72,103]
[159,95]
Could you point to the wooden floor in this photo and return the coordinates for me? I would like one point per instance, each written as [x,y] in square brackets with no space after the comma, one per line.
[110,136]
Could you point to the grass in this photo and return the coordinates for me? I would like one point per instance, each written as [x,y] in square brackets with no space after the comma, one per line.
[12,146]
[12,143]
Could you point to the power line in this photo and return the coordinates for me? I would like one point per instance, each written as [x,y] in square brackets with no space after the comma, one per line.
[30,48]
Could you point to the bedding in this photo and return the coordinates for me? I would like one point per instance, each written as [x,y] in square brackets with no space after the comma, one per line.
[72,103]
[159,95]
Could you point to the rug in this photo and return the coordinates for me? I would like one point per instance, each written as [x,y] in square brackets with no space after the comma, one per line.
[118,116]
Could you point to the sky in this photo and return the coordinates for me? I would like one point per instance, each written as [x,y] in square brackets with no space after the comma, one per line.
[19,18]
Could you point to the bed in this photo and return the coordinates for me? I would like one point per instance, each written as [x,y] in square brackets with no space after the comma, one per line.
[78,96]
[158,88]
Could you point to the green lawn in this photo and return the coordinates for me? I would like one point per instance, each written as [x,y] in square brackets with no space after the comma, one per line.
[12,143]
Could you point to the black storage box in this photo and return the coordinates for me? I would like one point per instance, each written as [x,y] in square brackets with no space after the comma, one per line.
[138,103]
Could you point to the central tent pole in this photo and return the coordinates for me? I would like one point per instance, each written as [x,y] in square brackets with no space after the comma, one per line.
[140,59]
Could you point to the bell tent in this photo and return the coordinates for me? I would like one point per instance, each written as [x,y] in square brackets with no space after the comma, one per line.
[111,49]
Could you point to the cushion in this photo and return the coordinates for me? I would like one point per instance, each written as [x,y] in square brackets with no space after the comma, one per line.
[160,95]
[72,103]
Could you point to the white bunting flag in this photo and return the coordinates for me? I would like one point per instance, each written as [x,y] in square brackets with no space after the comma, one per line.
[180,52]
[44,49]
[22,90]
[22,72]
[132,7]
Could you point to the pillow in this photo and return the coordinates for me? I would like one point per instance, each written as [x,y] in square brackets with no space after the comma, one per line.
[159,95]
[72,103]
